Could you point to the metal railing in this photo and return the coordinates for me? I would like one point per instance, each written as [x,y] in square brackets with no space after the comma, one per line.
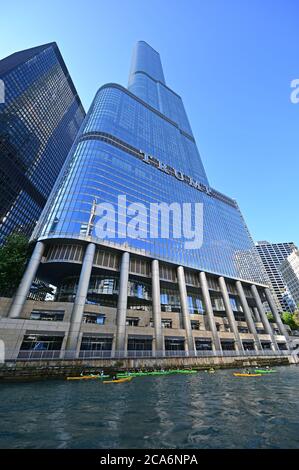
[103,354]
[92,354]
[32,355]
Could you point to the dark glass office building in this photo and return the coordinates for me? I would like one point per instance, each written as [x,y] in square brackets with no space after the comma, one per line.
[39,120]
[148,294]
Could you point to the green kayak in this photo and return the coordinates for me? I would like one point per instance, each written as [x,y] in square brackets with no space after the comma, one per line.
[183,371]
[264,371]
[155,373]
[174,371]
[141,374]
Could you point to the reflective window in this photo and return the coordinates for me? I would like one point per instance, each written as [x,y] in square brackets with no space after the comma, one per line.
[50,315]
[41,343]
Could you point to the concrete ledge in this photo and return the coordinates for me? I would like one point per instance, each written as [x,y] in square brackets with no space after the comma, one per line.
[36,370]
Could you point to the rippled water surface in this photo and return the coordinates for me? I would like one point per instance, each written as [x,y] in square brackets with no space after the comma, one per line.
[196,411]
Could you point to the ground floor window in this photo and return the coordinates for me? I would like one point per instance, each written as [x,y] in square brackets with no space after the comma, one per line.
[174,344]
[203,345]
[228,345]
[282,346]
[96,343]
[139,344]
[248,345]
[34,342]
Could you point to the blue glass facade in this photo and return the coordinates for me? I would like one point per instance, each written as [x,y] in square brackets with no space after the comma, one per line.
[107,160]
[39,121]
[147,81]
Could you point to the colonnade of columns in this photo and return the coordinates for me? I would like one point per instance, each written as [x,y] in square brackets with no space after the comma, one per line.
[120,336]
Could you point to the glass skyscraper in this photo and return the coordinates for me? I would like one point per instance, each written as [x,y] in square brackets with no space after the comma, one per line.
[39,120]
[146,293]
[106,162]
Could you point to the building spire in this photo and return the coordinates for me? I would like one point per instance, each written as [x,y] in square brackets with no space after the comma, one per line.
[147,61]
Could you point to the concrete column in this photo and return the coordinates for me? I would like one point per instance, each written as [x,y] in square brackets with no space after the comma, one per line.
[27,279]
[230,314]
[209,310]
[80,299]
[277,317]
[263,316]
[154,347]
[121,315]
[185,309]
[113,346]
[257,315]
[248,316]
[156,305]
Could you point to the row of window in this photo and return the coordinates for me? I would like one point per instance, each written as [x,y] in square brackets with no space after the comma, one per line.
[99,319]
[139,266]
[170,299]
[35,342]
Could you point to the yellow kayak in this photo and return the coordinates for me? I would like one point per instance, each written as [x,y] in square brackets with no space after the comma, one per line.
[118,381]
[86,377]
[237,374]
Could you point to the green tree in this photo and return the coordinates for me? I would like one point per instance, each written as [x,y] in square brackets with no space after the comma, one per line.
[288,319]
[270,317]
[296,318]
[13,258]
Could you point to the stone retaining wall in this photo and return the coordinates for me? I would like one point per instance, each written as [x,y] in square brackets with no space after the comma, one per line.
[30,370]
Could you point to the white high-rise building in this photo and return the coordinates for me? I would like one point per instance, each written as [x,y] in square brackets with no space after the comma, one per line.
[290,272]
[272,255]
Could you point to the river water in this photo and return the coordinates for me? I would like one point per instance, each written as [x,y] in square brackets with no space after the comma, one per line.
[201,411]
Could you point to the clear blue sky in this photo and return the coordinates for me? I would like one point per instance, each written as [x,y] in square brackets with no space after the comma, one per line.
[232,61]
